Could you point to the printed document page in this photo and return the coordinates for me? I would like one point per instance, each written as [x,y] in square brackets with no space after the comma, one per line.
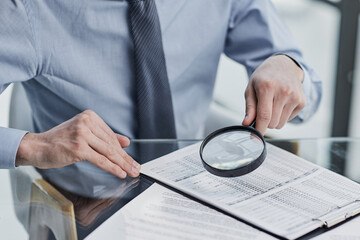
[285,195]
[159,213]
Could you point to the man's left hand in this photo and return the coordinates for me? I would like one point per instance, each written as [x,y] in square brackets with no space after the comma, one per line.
[274,94]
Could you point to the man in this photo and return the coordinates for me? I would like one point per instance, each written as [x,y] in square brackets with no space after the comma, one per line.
[77,55]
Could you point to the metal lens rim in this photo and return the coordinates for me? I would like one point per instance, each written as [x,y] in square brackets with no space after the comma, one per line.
[240,170]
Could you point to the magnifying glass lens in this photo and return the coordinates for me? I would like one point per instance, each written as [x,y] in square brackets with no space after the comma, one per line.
[232,150]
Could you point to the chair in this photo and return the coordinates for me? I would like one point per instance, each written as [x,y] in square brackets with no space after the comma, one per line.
[20,111]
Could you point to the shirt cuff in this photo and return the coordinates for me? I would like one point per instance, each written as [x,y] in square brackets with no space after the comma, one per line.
[9,143]
[307,111]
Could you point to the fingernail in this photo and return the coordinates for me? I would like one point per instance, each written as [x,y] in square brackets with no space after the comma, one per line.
[136,165]
[244,119]
[123,175]
[135,170]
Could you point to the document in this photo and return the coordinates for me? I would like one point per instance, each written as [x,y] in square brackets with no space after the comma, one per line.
[348,231]
[286,195]
[159,213]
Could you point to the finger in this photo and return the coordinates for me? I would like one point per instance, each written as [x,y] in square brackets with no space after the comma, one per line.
[99,133]
[300,106]
[250,99]
[110,152]
[130,160]
[277,111]
[124,141]
[102,162]
[285,116]
[95,123]
[97,126]
[264,109]
[103,125]
[295,112]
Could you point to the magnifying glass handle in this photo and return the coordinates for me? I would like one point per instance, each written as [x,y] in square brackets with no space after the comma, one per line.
[253,123]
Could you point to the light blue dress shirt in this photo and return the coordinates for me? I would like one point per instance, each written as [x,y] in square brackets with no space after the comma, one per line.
[76,55]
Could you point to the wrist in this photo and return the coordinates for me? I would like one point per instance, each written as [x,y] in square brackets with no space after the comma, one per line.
[24,155]
[298,68]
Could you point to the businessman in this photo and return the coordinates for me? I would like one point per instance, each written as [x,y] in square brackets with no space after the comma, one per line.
[97,71]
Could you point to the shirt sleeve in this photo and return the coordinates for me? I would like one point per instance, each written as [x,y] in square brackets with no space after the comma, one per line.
[256,32]
[18,62]
[8,148]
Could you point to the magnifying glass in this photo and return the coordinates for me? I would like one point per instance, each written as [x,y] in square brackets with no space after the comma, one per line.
[233,151]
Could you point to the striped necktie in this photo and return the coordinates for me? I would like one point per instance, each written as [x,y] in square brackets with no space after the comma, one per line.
[153,97]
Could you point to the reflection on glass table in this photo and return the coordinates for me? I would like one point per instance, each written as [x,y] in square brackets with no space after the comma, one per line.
[71,202]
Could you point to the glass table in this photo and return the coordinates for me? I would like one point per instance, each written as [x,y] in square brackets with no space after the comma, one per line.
[71,202]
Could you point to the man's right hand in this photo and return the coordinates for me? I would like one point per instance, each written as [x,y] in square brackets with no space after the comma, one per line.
[85,137]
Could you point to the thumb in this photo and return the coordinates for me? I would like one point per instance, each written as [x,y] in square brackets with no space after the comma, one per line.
[250,101]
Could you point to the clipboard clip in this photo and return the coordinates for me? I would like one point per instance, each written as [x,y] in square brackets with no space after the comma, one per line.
[339,214]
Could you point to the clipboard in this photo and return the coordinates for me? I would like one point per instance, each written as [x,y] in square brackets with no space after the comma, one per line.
[339,214]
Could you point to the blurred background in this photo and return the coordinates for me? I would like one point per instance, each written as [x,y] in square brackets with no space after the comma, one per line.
[315,25]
